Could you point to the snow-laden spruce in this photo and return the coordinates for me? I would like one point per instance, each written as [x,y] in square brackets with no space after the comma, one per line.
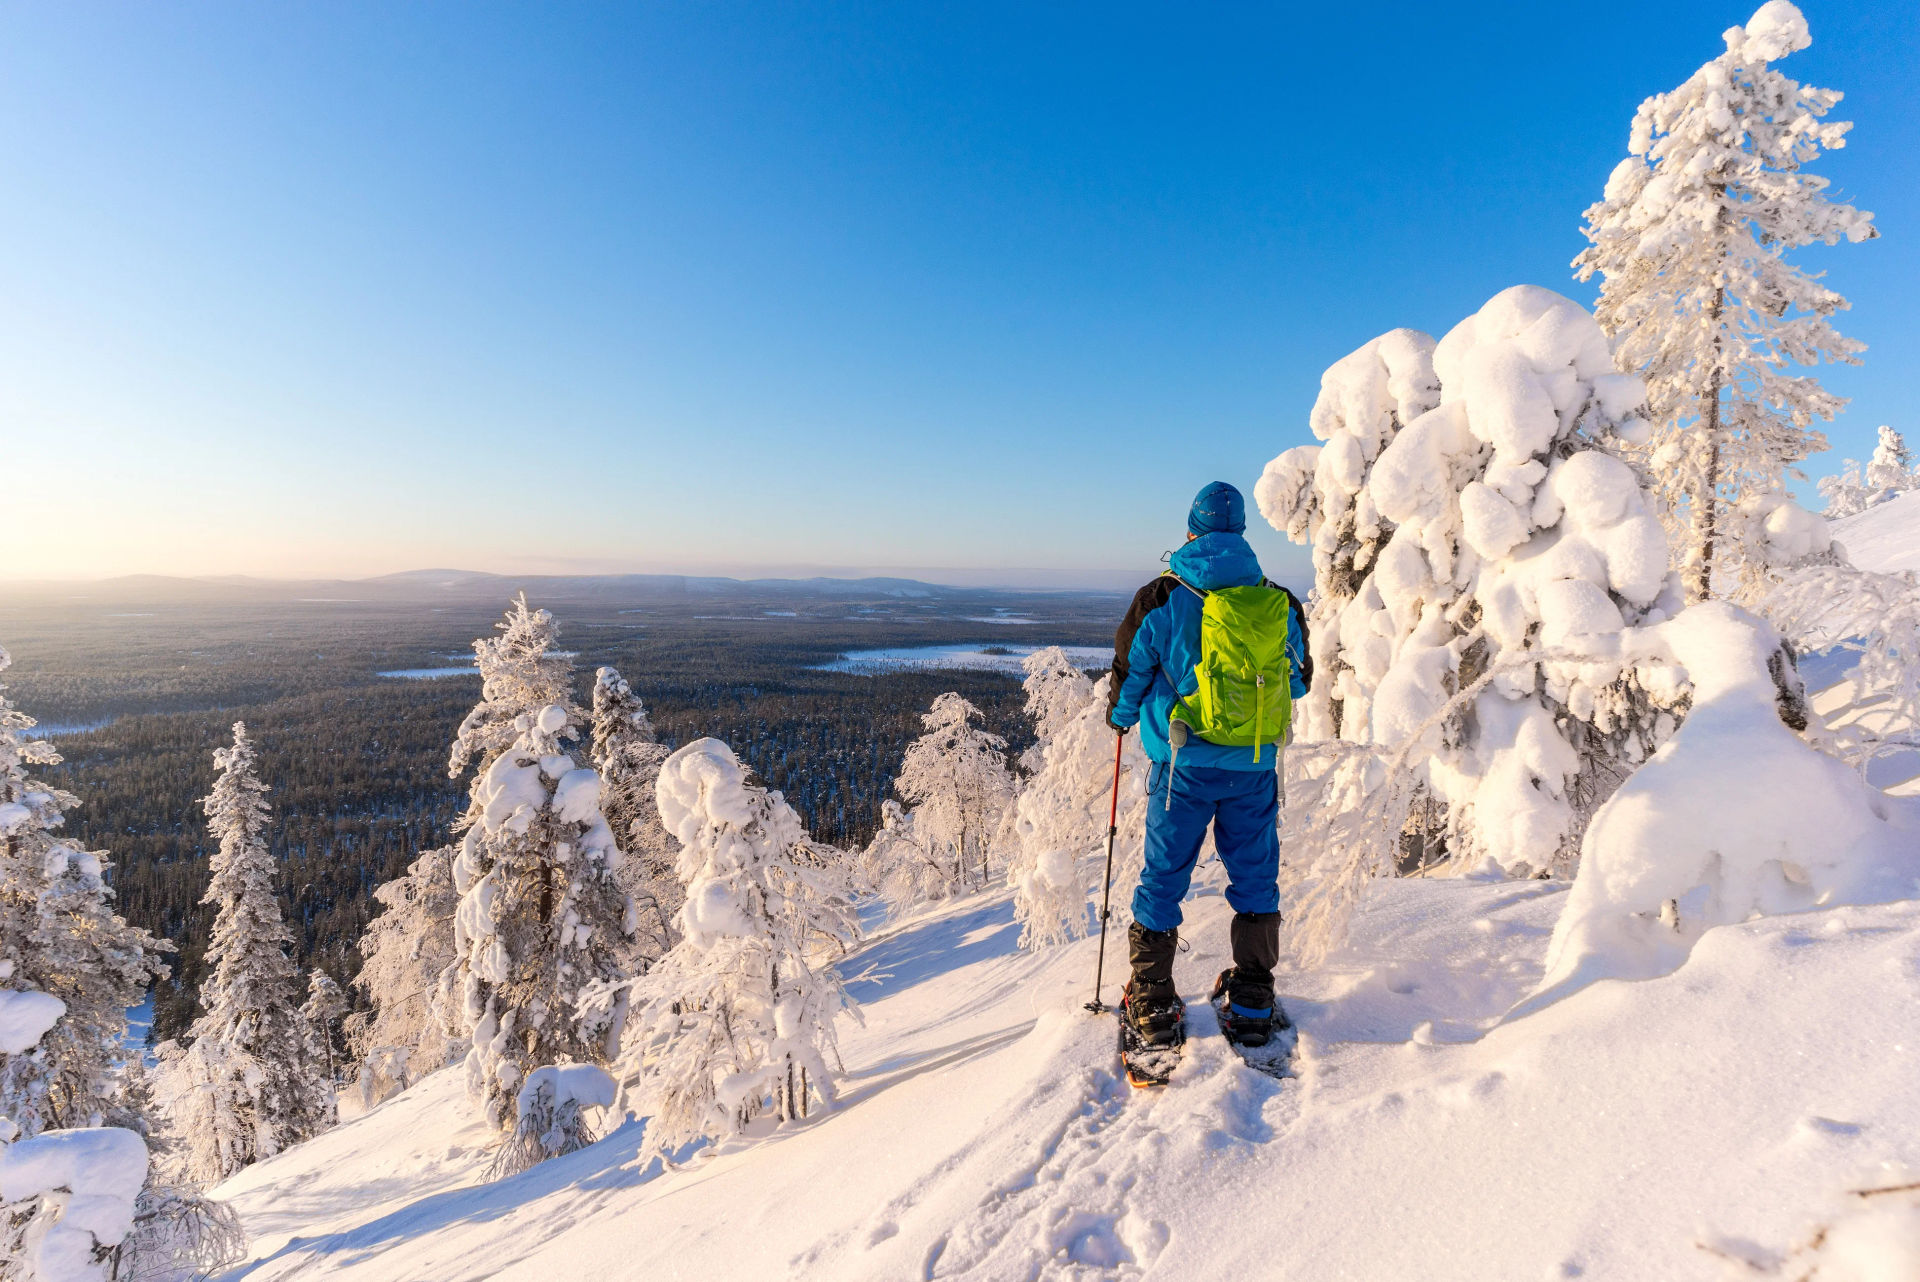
[418,970]
[628,755]
[1317,495]
[956,781]
[1060,816]
[1890,471]
[541,915]
[1690,242]
[1736,816]
[242,1086]
[737,1019]
[1483,640]
[60,937]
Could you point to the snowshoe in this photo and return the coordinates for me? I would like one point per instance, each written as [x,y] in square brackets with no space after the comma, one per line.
[1255,1025]
[1152,1031]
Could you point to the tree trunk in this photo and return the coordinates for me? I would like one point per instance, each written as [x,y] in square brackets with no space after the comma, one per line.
[1699,570]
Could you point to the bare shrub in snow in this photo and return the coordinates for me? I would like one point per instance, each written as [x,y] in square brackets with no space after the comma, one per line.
[737,1019]
[1690,242]
[178,1236]
[956,780]
[550,1119]
[1845,493]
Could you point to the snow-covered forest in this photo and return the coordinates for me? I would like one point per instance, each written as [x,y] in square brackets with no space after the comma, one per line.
[1600,878]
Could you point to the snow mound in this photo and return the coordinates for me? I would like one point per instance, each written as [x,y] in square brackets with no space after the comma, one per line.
[1736,815]
[1885,537]
[25,1018]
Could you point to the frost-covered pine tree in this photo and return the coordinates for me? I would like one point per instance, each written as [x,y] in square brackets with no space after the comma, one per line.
[956,780]
[1060,815]
[1890,470]
[541,917]
[737,1019]
[628,755]
[243,1088]
[1317,495]
[1690,242]
[60,936]
[407,951]
[1487,633]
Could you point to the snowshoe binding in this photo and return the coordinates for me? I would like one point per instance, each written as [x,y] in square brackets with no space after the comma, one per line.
[1254,1023]
[1152,1030]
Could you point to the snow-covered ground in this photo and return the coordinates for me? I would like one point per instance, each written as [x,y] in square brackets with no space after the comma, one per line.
[1885,537]
[995,658]
[1630,1131]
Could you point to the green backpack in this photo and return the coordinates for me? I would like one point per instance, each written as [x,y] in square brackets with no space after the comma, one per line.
[1244,692]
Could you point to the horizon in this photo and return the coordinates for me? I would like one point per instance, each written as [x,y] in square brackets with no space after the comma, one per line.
[990,290]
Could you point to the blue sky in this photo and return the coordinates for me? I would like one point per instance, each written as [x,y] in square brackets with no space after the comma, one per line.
[300,289]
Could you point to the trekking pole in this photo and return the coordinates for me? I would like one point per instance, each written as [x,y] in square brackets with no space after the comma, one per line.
[1106,895]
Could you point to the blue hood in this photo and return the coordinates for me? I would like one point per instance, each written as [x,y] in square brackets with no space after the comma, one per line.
[1217,561]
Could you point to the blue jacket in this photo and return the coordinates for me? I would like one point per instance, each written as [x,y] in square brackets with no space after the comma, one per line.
[1158,646]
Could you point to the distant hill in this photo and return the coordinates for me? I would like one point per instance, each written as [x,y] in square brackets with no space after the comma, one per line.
[473,585]
[1885,537]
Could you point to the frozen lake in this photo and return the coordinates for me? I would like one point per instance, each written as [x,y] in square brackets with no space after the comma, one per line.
[430,674]
[990,658]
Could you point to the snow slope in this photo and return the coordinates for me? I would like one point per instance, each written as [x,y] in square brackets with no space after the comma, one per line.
[1633,1130]
[1885,537]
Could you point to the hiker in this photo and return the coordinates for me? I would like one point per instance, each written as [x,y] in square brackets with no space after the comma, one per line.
[1210,764]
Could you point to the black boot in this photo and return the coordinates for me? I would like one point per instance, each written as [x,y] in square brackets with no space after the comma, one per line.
[1249,1014]
[1151,1006]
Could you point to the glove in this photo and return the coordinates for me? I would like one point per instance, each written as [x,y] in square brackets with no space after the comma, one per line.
[1116,727]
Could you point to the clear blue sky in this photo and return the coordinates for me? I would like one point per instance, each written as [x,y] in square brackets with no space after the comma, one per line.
[356,288]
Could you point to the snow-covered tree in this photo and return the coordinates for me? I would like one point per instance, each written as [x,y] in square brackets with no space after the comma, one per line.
[1691,242]
[1060,814]
[520,673]
[407,951]
[737,1019]
[956,780]
[1844,492]
[1317,495]
[540,917]
[628,755]
[1890,470]
[1521,548]
[60,936]
[244,1087]
[323,1010]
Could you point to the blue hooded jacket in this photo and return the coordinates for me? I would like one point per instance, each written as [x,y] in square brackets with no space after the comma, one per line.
[1158,646]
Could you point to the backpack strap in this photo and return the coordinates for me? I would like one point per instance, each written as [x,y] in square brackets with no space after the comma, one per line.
[1183,583]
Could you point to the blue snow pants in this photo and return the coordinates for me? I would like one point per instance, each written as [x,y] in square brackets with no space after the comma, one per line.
[1243,807]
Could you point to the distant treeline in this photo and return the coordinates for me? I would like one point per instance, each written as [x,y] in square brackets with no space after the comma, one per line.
[359,771]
